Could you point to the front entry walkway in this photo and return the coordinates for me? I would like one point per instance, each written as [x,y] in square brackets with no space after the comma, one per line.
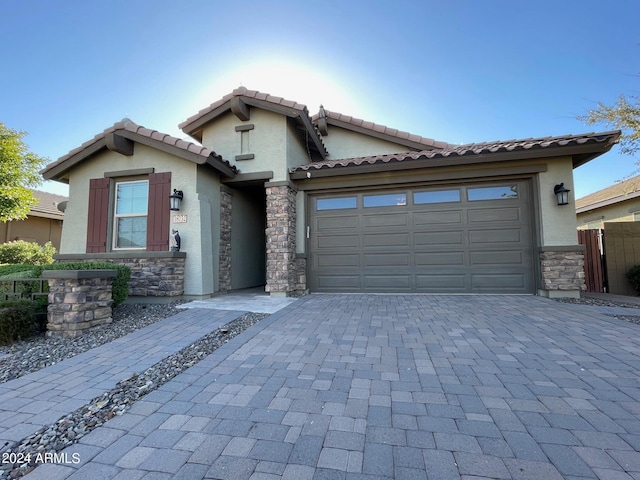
[381,387]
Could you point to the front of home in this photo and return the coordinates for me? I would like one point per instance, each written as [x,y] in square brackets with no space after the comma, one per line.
[326,203]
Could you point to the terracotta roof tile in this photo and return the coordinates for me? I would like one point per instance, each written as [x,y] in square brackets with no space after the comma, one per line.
[382,129]
[468,150]
[617,192]
[129,126]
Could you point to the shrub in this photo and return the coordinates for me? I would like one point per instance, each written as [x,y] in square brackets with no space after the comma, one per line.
[30,253]
[633,275]
[15,269]
[17,321]
[120,289]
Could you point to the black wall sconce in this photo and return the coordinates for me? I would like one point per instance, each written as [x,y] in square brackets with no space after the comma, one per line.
[175,198]
[562,194]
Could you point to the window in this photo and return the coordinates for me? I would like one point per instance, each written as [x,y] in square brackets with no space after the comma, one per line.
[130,218]
[337,203]
[492,193]
[436,196]
[386,200]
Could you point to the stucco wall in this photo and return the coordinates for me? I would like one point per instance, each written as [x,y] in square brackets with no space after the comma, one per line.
[342,143]
[558,222]
[619,212]
[267,141]
[199,206]
[33,229]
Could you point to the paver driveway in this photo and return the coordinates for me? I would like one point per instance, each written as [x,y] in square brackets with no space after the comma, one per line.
[394,386]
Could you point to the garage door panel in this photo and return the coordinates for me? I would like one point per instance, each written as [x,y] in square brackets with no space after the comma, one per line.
[386,260]
[440,282]
[439,258]
[337,241]
[337,223]
[430,219]
[497,281]
[470,242]
[498,257]
[385,220]
[423,239]
[337,260]
[387,283]
[490,215]
[496,235]
[386,240]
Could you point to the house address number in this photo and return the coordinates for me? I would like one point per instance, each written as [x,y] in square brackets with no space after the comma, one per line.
[179,219]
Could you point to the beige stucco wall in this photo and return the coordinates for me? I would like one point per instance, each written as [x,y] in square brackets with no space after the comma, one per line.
[33,229]
[342,143]
[558,222]
[618,212]
[199,202]
[267,141]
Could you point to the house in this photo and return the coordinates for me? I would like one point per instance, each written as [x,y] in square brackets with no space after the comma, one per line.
[618,203]
[273,196]
[43,223]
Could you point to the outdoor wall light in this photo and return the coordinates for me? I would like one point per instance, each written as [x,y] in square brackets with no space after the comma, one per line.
[562,194]
[175,198]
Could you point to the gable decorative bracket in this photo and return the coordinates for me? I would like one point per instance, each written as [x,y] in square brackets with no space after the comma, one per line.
[119,144]
[240,109]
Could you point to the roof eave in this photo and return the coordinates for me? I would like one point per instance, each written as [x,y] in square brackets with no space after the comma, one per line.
[608,202]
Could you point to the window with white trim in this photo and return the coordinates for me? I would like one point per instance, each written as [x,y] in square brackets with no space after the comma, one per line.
[130,215]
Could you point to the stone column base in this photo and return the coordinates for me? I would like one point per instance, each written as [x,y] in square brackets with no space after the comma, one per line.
[562,272]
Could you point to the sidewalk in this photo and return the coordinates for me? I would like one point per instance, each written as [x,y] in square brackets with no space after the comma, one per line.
[30,402]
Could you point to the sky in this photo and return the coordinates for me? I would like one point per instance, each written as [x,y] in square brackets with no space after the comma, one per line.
[458,71]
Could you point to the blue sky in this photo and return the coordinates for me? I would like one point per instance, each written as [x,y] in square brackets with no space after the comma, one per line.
[458,71]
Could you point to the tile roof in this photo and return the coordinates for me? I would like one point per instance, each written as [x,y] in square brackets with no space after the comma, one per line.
[603,141]
[47,205]
[127,125]
[348,121]
[618,192]
[262,100]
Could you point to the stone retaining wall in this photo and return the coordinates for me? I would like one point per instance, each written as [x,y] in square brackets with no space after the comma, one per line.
[153,274]
[79,300]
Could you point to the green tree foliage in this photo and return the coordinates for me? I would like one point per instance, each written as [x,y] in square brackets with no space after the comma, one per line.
[623,115]
[19,171]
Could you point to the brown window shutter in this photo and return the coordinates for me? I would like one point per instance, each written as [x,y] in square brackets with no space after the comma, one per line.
[158,212]
[97,215]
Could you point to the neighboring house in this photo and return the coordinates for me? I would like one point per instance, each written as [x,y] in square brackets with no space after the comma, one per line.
[43,223]
[328,203]
[618,203]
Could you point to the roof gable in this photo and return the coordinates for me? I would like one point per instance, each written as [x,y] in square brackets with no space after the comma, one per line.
[239,102]
[120,138]
[619,192]
[324,118]
[582,147]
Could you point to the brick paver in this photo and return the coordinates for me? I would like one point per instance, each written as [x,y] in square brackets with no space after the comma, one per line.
[41,398]
[392,386]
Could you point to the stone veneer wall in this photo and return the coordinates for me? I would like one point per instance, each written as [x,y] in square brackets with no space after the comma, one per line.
[225,240]
[301,274]
[153,274]
[79,300]
[562,270]
[281,239]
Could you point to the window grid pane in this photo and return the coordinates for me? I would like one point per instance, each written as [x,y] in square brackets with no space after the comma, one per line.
[436,196]
[335,203]
[385,200]
[130,222]
[492,193]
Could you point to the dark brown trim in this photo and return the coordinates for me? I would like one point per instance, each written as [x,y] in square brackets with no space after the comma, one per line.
[97,215]
[245,128]
[158,212]
[245,156]
[129,173]
[119,144]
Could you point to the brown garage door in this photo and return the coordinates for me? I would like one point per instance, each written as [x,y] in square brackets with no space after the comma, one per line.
[472,238]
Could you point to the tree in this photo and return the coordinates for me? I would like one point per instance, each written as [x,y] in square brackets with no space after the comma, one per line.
[19,171]
[623,115]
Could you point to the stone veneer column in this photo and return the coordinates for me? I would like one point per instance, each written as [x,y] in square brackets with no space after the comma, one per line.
[79,300]
[224,264]
[562,272]
[281,239]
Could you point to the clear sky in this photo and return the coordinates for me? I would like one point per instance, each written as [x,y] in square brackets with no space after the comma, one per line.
[458,71]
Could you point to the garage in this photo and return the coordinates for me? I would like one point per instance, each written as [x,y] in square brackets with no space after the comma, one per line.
[469,238]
